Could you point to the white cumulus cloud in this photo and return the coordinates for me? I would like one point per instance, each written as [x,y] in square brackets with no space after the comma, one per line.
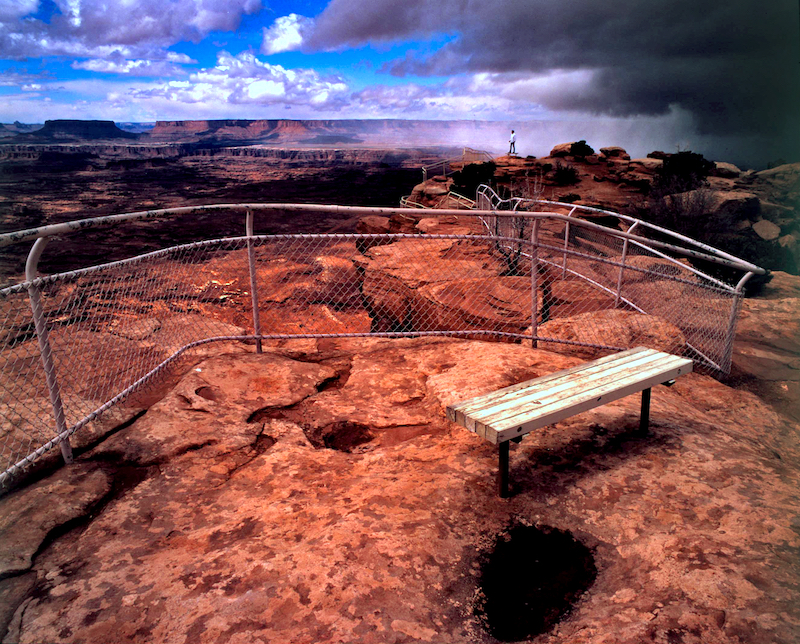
[287,33]
[244,79]
[130,67]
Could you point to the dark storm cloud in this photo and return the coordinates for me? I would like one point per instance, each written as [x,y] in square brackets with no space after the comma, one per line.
[734,65]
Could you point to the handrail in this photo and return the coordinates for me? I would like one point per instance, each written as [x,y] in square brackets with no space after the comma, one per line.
[407,203]
[469,203]
[711,253]
[718,257]
[468,155]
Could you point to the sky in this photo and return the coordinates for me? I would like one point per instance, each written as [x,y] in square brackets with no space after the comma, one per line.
[721,77]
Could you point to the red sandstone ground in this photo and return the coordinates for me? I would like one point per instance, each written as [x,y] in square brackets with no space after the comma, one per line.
[220,516]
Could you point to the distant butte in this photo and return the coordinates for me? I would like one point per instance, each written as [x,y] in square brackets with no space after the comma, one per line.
[64,129]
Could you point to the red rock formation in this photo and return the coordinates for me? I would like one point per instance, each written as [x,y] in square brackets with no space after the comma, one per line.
[80,130]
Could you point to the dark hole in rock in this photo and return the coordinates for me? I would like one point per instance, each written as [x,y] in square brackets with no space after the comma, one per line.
[268,413]
[263,442]
[531,579]
[209,393]
[344,435]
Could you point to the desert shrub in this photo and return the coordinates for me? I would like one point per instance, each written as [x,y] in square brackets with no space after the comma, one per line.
[684,212]
[580,149]
[776,162]
[467,180]
[564,175]
[529,187]
[681,172]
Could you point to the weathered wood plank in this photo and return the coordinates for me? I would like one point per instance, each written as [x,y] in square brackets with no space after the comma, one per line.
[517,410]
[476,402]
[524,423]
[543,393]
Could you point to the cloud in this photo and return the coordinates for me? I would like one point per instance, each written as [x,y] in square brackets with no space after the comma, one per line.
[348,23]
[165,64]
[732,65]
[14,78]
[97,28]
[138,67]
[244,80]
[14,9]
[287,33]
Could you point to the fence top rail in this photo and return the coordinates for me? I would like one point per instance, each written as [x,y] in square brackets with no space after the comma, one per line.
[711,254]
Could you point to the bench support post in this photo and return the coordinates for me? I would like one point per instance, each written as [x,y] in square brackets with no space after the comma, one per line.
[644,421]
[502,472]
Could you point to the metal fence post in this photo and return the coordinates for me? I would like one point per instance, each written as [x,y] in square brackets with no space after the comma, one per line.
[622,268]
[42,338]
[566,245]
[727,356]
[251,259]
[534,282]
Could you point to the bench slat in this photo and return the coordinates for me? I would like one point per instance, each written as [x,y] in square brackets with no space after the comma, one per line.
[541,392]
[508,392]
[540,400]
[583,401]
[465,412]
[516,410]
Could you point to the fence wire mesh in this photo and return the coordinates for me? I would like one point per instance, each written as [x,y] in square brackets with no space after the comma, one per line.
[558,284]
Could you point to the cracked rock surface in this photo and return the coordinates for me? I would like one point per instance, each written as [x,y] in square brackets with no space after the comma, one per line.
[226,513]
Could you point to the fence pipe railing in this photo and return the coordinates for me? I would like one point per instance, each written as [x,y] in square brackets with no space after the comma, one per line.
[33,283]
[251,261]
[43,340]
[566,245]
[622,268]
[732,319]
[719,257]
[494,201]
[534,282]
[716,252]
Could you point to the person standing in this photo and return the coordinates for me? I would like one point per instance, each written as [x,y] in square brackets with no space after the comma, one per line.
[512,143]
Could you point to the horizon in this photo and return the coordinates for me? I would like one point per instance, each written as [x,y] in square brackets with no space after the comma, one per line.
[717,78]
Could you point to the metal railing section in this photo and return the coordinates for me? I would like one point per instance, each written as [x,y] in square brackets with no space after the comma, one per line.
[444,167]
[712,352]
[76,345]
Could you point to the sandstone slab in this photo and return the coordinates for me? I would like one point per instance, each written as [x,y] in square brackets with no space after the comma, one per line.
[282,541]
[612,327]
[28,516]
[767,230]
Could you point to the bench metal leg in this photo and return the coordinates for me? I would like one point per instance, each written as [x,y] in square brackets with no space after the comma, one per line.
[502,473]
[644,421]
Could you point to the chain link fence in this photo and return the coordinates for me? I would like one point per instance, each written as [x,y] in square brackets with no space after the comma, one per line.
[76,344]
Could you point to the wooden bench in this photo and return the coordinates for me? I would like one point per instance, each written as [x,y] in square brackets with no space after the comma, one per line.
[510,413]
